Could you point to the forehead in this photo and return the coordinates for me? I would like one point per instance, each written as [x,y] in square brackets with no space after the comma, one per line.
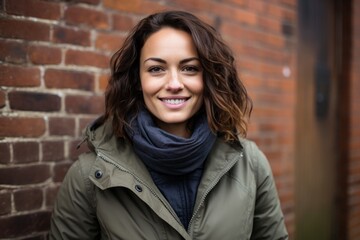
[169,39]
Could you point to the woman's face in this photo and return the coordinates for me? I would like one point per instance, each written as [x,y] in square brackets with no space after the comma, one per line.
[171,79]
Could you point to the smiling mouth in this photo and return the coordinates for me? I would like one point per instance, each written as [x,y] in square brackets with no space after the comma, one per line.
[174,101]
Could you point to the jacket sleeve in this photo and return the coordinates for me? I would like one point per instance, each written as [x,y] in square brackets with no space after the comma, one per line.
[74,214]
[268,217]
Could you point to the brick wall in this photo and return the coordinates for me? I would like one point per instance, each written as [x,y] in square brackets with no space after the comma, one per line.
[54,67]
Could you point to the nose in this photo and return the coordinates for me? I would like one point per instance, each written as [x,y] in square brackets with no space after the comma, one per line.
[174,82]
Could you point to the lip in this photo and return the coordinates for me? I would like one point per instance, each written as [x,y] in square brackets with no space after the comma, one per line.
[174,102]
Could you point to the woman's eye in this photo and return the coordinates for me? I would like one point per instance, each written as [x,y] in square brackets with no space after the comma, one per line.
[155,69]
[191,69]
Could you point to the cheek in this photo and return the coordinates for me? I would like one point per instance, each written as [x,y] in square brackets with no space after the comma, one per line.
[147,87]
[197,87]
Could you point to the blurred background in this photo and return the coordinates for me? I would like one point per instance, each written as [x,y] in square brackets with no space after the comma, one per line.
[298,59]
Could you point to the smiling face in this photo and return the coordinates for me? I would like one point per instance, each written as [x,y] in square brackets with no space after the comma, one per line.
[171,79]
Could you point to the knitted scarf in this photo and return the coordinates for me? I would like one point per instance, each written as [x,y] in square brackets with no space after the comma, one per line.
[167,153]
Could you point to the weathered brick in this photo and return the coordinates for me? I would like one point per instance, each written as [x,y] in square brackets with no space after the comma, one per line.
[109,42]
[83,123]
[62,126]
[44,55]
[135,6]
[103,81]
[122,22]
[28,199]
[71,36]
[34,101]
[17,76]
[5,203]
[93,2]
[13,52]
[2,99]
[59,78]
[257,6]
[75,149]
[86,58]
[53,151]
[25,152]
[30,127]
[24,29]
[5,156]
[60,170]
[250,35]
[50,195]
[31,174]
[34,8]
[85,16]
[269,24]
[25,224]
[240,3]
[189,5]
[84,104]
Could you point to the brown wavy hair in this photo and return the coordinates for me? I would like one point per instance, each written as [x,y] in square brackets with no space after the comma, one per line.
[226,101]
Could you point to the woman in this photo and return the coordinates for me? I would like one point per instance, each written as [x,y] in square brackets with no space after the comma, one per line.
[167,159]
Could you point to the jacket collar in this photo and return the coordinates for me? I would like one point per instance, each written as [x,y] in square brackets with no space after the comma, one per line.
[102,140]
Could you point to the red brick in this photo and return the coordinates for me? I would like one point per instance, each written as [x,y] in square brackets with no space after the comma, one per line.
[109,42]
[13,52]
[28,199]
[19,76]
[5,203]
[192,6]
[59,78]
[62,126]
[94,2]
[240,3]
[280,12]
[103,81]
[237,14]
[5,156]
[258,6]
[269,24]
[2,99]
[31,174]
[25,152]
[123,23]
[71,36]
[60,170]
[44,55]
[251,36]
[86,58]
[83,123]
[135,6]
[25,224]
[88,17]
[53,151]
[50,195]
[34,8]
[30,127]
[74,151]
[34,101]
[84,104]
[24,29]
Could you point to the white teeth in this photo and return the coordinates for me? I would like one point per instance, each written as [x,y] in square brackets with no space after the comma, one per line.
[174,101]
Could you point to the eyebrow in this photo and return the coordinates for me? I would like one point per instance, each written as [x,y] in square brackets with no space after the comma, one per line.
[181,62]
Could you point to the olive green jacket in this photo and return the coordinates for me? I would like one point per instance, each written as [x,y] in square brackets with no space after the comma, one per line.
[109,194]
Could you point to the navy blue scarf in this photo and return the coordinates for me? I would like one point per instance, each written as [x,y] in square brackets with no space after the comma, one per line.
[167,153]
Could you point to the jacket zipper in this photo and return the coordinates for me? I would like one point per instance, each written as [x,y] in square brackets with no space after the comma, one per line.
[108,160]
[190,230]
